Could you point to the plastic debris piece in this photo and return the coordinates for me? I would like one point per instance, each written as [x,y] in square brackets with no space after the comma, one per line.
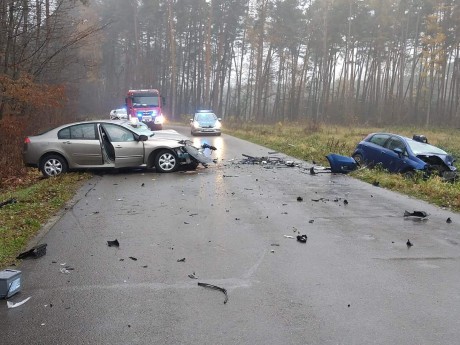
[448,220]
[181,260]
[311,221]
[15,305]
[215,288]
[418,214]
[376,184]
[34,253]
[113,243]
[302,238]
[192,276]
[8,202]
[409,243]
[133,258]
[345,202]
[288,236]
[299,198]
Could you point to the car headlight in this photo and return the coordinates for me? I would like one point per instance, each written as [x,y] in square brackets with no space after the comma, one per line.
[139,115]
[218,125]
[195,124]
[160,119]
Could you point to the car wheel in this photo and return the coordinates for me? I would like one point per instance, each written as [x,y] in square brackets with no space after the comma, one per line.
[166,161]
[53,165]
[359,159]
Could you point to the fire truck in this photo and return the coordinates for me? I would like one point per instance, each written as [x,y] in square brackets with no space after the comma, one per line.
[145,106]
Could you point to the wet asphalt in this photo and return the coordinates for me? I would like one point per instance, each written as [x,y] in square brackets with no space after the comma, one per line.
[355,281]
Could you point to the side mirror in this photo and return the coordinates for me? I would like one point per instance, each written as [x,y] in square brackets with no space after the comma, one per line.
[143,137]
[399,152]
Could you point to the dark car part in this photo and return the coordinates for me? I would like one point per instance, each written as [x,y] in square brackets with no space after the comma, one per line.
[34,253]
[215,288]
[199,156]
[420,138]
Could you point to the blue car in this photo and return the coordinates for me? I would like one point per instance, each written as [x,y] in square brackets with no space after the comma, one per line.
[399,154]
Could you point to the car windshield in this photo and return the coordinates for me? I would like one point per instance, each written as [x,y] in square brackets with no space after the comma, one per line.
[420,148]
[205,117]
[145,101]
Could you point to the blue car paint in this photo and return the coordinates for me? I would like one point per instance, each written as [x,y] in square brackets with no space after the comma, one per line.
[392,161]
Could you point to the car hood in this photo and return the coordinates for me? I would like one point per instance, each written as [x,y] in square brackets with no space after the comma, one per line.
[208,123]
[168,134]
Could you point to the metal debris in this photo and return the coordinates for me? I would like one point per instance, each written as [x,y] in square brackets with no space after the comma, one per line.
[215,288]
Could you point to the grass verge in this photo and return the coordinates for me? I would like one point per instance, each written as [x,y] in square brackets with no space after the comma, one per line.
[36,202]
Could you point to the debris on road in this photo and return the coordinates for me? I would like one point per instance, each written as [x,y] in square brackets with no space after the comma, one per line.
[215,288]
[8,202]
[66,269]
[302,238]
[181,260]
[311,221]
[34,253]
[376,184]
[448,220]
[416,214]
[288,236]
[299,199]
[113,243]
[192,276]
[17,304]
[409,243]
[133,258]
[275,245]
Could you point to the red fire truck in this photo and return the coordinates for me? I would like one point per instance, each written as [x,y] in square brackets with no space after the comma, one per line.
[145,105]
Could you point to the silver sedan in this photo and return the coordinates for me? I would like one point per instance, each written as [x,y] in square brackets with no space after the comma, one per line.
[107,144]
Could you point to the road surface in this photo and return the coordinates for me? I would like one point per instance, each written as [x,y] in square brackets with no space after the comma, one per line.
[355,281]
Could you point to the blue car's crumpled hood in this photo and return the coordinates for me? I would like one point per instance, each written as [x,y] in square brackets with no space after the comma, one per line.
[435,158]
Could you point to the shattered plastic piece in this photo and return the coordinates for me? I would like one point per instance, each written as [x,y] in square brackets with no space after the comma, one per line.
[376,183]
[345,202]
[142,185]
[8,202]
[418,214]
[181,260]
[207,146]
[192,276]
[113,243]
[299,198]
[36,252]
[311,221]
[302,238]
[215,288]
[15,305]
[409,244]
[288,236]
[448,220]
[133,258]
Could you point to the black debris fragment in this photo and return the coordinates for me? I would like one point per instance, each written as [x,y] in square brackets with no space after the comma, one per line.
[418,214]
[376,184]
[143,184]
[207,146]
[186,223]
[299,199]
[312,171]
[448,220]
[237,218]
[113,243]
[8,202]
[181,260]
[302,238]
[275,245]
[311,221]
[215,288]
[34,253]
[145,266]
[409,243]
[345,202]
[133,258]
[192,276]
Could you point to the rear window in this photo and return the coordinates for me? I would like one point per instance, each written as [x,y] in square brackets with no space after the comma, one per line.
[379,139]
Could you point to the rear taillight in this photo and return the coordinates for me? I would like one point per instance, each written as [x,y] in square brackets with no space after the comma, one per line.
[27,140]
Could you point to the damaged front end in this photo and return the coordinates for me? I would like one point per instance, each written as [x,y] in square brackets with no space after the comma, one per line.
[191,155]
[442,165]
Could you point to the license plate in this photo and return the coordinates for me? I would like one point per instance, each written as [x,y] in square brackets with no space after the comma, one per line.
[146,118]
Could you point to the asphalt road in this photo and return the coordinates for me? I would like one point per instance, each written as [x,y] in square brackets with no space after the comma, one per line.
[354,282]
